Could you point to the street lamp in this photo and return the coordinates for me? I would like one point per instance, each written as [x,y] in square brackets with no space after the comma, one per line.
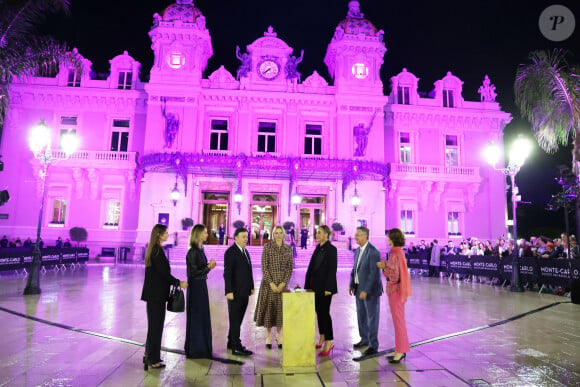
[39,142]
[238,197]
[518,154]
[296,199]
[355,199]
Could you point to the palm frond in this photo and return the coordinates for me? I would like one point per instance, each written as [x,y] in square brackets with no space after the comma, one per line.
[547,95]
[18,18]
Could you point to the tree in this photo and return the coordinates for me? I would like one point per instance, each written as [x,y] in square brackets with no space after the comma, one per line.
[288,225]
[78,234]
[547,92]
[22,53]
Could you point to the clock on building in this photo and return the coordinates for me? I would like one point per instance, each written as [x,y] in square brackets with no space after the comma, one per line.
[268,69]
[175,59]
[360,70]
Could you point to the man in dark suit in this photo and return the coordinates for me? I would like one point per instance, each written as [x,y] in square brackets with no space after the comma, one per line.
[239,283]
[366,285]
[222,234]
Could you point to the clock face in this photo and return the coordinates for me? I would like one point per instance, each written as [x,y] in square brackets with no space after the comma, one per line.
[360,70]
[268,69]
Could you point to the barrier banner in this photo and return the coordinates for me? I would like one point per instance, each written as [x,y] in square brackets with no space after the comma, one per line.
[21,258]
[50,256]
[555,271]
[414,261]
[82,254]
[528,269]
[459,264]
[443,264]
[505,267]
[485,265]
[68,256]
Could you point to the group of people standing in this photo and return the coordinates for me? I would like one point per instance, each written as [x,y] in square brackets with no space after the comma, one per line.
[277,267]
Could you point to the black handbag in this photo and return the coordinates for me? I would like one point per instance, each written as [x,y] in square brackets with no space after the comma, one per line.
[176,302]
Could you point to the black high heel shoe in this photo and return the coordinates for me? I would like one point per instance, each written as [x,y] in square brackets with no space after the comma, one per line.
[393,361]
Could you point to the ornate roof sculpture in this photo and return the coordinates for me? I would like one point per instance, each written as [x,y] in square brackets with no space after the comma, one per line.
[183,10]
[355,23]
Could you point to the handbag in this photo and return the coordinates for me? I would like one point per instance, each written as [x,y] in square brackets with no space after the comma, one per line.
[176,302]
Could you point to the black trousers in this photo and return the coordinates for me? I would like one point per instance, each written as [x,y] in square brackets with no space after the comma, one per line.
[322,308]
[236,311]
[434,271]
[155,322]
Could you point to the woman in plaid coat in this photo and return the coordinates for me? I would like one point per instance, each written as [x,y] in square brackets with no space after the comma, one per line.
[277,264]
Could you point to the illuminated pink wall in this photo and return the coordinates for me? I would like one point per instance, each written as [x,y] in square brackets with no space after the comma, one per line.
[386,184]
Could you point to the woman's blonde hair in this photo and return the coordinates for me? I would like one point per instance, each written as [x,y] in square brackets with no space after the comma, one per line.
[195,236]
[154,242]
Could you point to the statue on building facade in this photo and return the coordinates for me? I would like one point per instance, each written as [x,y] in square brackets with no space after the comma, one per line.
[361,136]
[171,125]
[292,67]
[487,91]
[246,65]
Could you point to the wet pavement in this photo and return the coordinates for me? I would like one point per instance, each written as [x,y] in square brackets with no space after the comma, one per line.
[90,327]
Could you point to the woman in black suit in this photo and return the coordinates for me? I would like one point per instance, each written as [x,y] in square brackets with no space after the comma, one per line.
[321,278]
[158,280]
[198,342]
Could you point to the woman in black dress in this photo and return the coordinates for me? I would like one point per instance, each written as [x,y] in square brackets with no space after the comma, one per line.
[321,278]
[158,280]
[198,341]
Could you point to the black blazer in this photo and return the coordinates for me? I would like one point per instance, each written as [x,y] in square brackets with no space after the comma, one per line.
[196,264]
[321,273]
[158,278]
[238,275]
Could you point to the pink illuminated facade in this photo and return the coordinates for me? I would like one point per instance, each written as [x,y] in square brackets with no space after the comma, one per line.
[263,145]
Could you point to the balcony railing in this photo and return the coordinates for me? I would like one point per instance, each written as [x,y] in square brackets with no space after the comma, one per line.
[96,158]
[434,171]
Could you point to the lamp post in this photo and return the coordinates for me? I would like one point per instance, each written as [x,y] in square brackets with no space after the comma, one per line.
[39,142]
[238,197]
[519,152]
[355,199]
[296,199]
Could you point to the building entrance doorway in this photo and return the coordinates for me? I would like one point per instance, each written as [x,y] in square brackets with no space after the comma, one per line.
[264,217]
[215,216]
[312,214]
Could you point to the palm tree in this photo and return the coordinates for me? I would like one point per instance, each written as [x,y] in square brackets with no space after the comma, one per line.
[547,92]
[22,53]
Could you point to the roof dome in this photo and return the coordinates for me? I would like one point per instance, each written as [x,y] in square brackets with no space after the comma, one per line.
[355,23]
[183,10]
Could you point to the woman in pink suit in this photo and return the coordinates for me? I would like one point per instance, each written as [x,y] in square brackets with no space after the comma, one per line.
[398,289]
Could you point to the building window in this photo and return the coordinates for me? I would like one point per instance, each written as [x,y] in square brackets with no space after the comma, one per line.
[74,78]
[68,125]
[313,140]
[453,223]
[112,212]
[403,95]
[125,79]
[448,98]
[405,148]
[120,135]
[219,135]
[407,222]
[58,211]
[267,137]
[451,151]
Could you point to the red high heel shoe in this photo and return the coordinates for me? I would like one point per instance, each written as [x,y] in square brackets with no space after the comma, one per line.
[318,346]
[323,353]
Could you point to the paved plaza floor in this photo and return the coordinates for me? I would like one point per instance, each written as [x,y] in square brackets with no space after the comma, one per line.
[88,326]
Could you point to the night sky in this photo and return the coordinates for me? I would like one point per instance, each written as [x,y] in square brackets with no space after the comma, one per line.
[429,38]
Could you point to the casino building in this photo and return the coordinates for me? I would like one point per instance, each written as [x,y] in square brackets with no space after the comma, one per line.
[263,144]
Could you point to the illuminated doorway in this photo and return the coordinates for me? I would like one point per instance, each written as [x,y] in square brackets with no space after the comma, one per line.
[264,217]
[312,214]
[215,215]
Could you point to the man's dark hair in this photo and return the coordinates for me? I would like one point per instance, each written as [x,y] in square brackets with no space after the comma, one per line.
[239,230]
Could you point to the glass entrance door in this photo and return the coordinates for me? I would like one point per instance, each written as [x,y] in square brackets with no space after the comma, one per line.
[264,217]
[215,216]
[312,215]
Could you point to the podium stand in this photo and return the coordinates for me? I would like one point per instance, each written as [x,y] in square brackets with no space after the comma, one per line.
[299,325]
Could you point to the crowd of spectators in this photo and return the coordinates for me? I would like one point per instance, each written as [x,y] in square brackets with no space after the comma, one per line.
[17,242]
[541,246]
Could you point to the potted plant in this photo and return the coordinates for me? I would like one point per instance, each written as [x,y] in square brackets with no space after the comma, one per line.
[78,234]
[336,227]
[186,223]
[238,224]
[288,225]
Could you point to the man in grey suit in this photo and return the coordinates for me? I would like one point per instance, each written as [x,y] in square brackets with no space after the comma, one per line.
[434,261]
[366,285]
